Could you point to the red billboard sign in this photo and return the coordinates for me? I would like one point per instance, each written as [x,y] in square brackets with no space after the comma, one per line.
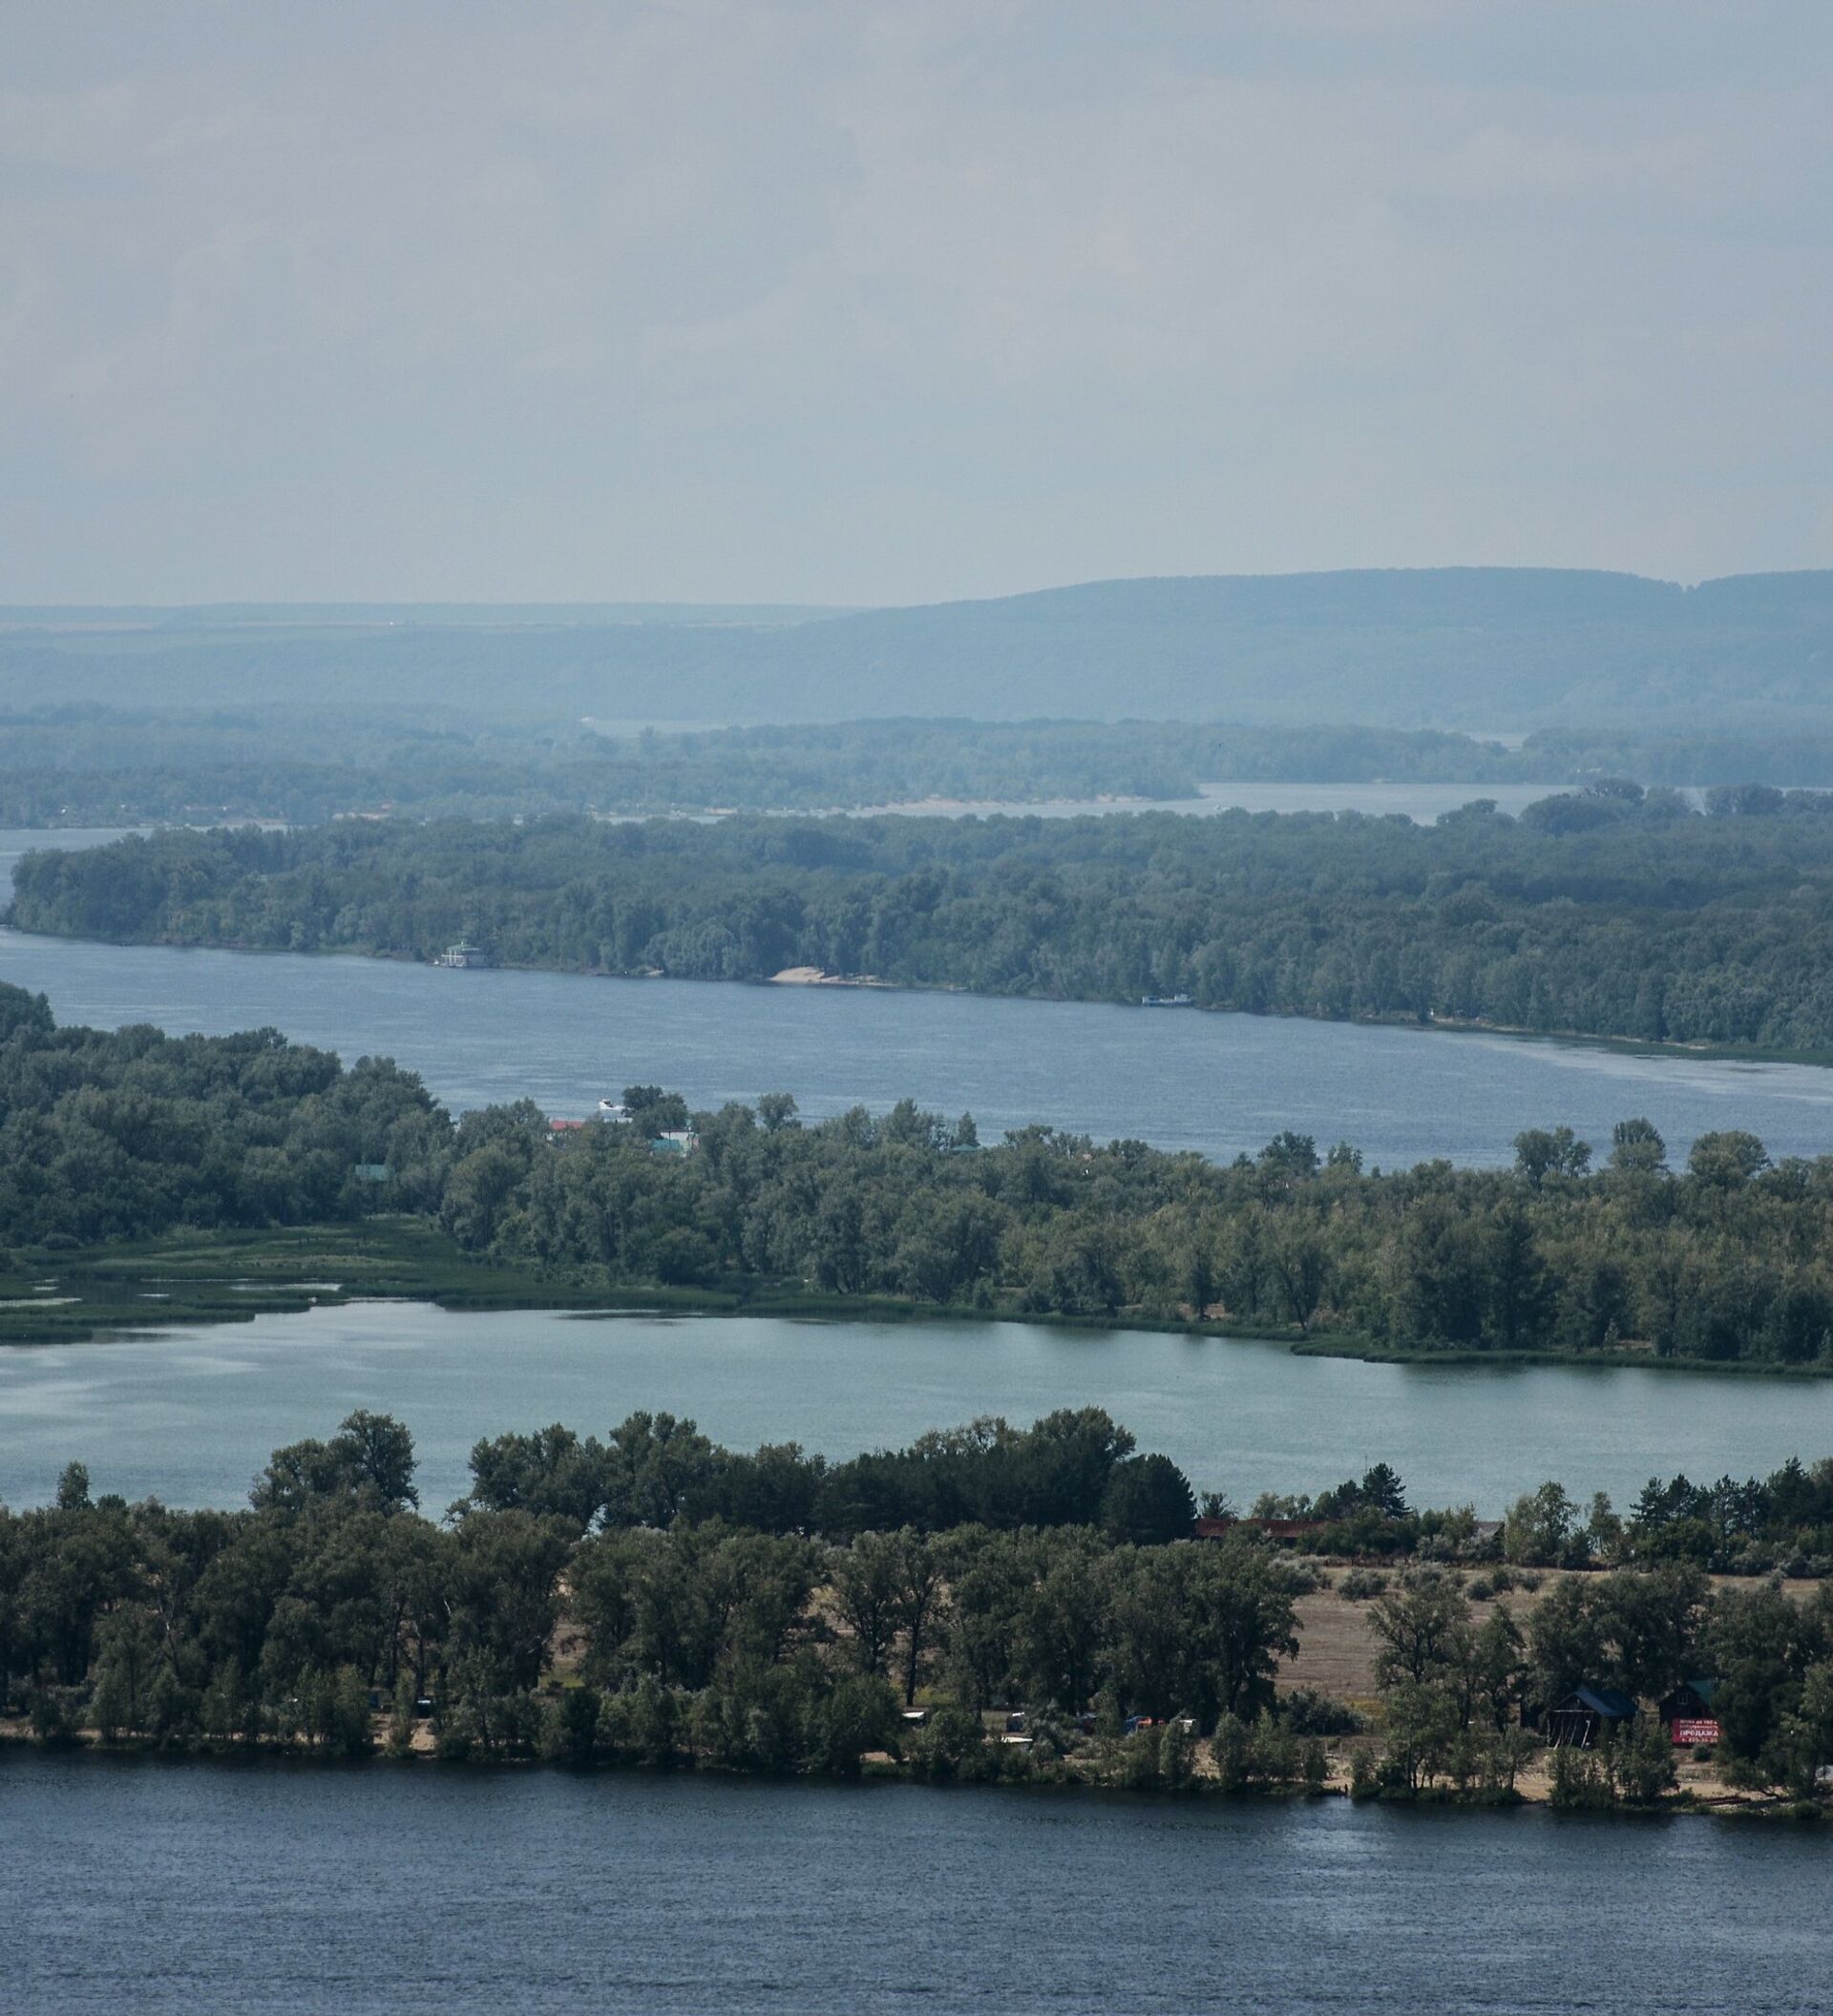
[1689,1730]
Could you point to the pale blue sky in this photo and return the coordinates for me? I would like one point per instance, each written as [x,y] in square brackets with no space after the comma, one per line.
[823,300]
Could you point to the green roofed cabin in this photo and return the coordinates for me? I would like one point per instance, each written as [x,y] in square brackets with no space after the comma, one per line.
[1588,1716]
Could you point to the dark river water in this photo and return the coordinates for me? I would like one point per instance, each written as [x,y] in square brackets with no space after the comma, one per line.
[1221,1083]
[197,1888]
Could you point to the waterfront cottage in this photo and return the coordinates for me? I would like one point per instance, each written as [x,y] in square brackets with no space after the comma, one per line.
[1588,1716]
[1687,1712]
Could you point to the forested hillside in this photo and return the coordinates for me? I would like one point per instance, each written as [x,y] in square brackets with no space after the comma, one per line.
[1604,912]
[1481,648]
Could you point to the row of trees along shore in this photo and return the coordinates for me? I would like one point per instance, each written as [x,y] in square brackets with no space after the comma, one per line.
[123,1135]
[1610,910]
[653,1599]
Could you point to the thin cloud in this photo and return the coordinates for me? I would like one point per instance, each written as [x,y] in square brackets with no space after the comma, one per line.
[823,302]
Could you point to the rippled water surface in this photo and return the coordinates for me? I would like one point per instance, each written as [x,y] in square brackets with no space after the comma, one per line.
[200,1888]
[1221,1083]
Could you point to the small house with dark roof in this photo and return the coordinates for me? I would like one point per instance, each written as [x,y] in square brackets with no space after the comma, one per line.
[1589,1717]
[1688,1712]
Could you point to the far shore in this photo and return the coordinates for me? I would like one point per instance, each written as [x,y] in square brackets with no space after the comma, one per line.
[820,977]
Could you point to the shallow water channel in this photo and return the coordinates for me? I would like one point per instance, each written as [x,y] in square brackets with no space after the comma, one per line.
[189,1415]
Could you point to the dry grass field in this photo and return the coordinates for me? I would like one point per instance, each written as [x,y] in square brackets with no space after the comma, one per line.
[1337,1649]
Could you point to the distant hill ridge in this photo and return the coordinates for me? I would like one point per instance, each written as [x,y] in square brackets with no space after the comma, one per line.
[1489,648]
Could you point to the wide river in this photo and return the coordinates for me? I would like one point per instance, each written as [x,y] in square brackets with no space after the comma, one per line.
[200,1888]
[1221,1083]
[189,1415]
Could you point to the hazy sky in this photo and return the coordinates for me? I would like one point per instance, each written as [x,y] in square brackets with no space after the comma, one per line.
[797,301]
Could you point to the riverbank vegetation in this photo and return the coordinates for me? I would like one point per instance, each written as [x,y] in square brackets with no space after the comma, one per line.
[1608,911]
[111,1139]
[652,1598]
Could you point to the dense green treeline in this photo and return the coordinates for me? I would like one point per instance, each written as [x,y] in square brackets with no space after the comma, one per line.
[111,1137]
[643,1625]
[1604,912]
[1078,1468]
[1726,1262]
[1075,1468]
[694,1637]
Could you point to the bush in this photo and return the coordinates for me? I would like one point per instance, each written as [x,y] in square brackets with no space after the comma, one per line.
[400,1737]
[1176,1755]
[1256,1753]
[641,1725]
[455,1739]
[858,1713]
[1361,1585]
[51,1722]
[1578,1780]
[1316,1766]
[570,1726]
[1308,1713]
[752,1718]
[1138,1761]
[952,1744]
[1642,1763]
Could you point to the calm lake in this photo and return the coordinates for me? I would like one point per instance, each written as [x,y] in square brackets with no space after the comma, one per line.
[198,1888]
[189,1415]
[1221,1083]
